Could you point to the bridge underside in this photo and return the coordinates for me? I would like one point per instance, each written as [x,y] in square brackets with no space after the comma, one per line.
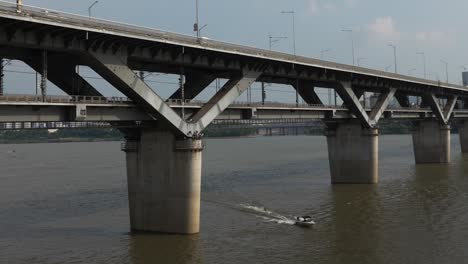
[164,192]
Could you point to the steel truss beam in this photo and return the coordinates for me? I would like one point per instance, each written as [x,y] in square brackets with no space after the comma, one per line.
[351,100]
[225,96]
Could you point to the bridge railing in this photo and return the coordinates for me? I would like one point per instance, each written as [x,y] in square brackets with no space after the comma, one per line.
[64,99]
[178,102]
[166,36]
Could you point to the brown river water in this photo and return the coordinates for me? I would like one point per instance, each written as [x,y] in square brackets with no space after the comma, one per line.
[67,203]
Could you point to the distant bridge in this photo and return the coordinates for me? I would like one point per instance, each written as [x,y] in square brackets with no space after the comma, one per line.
[164,158]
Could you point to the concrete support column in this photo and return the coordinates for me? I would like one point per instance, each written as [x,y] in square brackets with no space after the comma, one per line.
[463,131]
[164,176]
[353,154]
[431,142]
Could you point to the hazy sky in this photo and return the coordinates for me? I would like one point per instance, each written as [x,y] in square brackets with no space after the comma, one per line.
[431,26]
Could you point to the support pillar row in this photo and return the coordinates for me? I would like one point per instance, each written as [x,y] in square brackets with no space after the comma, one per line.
[353,154]
[164,181]
[431,142]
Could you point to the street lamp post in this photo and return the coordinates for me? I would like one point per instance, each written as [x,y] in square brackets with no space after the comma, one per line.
[274,40]
[446,70]
[352,42]
[322,53]
[196,26]
[424,62]
[89,15]
[394,56]
[293,14]
[91,7]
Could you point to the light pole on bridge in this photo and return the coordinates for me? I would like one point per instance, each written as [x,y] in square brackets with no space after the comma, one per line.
[446,69]
[196,26]
[394,56]
[91,7]
[350,31]
[272,41]
[89,15]
[423,54]
[293,14]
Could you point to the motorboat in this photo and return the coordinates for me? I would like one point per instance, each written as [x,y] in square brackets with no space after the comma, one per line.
[304,221]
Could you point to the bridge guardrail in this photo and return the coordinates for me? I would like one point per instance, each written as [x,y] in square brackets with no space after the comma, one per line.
[145,32]
[175,102]
[64,99]
[256,104]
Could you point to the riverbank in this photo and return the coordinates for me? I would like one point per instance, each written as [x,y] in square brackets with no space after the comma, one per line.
[388,127]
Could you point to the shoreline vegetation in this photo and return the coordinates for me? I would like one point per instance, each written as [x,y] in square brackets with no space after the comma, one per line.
[111,134]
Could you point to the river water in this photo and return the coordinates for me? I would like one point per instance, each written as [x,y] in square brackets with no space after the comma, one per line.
[67,203]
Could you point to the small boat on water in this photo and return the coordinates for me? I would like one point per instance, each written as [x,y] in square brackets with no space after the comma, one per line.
[304,221]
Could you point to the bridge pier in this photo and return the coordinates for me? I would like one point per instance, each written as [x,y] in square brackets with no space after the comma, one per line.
[463,131]
[431,142]
[353,153]
[164,175]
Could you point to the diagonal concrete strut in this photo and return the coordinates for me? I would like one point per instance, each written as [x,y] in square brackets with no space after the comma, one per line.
[443,115]
[114,69]
[226,96]
[351,100]
[381,105]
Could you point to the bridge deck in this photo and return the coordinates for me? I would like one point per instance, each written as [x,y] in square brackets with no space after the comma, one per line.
[36,15]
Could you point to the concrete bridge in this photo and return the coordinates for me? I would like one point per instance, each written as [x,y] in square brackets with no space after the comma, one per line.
[164,157]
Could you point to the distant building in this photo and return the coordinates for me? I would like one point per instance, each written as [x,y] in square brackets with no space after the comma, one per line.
[465,78]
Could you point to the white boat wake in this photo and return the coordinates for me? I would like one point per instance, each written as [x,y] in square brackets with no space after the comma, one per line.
[267,215]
